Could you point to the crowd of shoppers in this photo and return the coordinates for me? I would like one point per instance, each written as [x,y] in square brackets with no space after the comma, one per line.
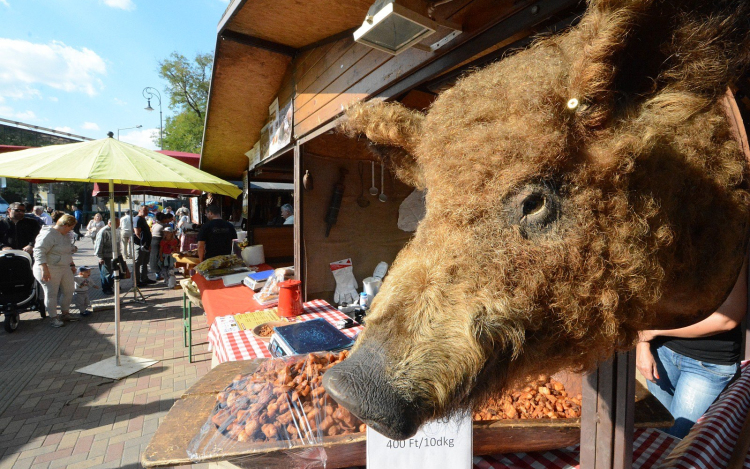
[51,236]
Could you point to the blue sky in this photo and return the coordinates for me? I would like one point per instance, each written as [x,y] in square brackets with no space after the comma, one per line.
[80,66]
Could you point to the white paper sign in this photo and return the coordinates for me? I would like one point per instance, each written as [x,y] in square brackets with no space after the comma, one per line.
[227,324]
[442,443]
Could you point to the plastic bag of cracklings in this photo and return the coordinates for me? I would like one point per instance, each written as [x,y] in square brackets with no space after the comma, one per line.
[282,406]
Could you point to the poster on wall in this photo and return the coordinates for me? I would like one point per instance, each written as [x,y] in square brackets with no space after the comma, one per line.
[194,210]
[283,131]
[253,155]
[264,142]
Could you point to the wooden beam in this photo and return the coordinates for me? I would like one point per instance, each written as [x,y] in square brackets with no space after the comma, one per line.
[258,43]
[524,19]
[329,39]
[299,249]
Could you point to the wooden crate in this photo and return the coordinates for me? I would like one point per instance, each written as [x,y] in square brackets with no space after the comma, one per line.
[169,445]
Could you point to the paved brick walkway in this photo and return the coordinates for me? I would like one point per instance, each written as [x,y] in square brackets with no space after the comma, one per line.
[54,417]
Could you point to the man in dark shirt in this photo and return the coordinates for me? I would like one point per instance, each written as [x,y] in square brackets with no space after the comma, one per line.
[17,232]
[142,241]
[215,237]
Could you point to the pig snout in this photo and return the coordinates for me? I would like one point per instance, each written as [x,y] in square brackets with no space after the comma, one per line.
[359,384]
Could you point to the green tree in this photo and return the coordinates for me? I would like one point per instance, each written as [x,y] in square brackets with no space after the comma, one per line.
[188,83]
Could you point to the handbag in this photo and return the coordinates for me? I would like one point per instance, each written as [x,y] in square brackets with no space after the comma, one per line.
[122,266]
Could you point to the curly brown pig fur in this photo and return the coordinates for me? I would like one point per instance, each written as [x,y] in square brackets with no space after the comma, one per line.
[646,185]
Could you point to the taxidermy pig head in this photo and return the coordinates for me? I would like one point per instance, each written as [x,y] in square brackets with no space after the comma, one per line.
[577,192]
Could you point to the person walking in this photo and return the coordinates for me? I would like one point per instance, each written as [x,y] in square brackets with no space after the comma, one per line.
[79,219]
[142,241]
[126,232]
[103,250]
[53,256]
[95,224]
[215,237]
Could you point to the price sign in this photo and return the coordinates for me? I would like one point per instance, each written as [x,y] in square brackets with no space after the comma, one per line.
[441,443]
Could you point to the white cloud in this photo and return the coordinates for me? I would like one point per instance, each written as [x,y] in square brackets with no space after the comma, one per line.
[10,113]
[64,129]
[5,2]
[120,102]
[90,126]
[26,65]
[141,137]
[121,4]
[53,99]
[26,115]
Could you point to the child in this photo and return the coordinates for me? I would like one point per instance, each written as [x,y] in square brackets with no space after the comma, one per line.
[168,245]
[81,294]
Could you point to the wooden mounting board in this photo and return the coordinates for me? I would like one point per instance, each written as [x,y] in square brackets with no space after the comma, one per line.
[169,445]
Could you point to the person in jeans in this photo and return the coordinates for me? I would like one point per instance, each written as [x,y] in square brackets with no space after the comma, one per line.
[126,231]
[142,241]
[53,255]
[215,237]
[103,250]
[688,368]
[79,219]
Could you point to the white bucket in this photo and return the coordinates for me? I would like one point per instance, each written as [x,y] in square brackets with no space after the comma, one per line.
[253,255]
[372,287]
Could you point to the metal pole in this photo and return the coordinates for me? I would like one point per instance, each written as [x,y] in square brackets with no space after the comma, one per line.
[161,131]
[115,271]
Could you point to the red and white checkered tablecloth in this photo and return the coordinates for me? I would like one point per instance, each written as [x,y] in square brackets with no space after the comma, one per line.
[235,346]
[649,447]
[710,443]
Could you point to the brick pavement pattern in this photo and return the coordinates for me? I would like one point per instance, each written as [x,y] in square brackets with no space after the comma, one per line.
[54,417]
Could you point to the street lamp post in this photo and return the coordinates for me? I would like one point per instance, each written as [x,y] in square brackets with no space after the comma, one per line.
[149,93]
[126,128]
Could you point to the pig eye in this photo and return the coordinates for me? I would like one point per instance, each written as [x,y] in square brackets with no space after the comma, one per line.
[534,208]
[533,205]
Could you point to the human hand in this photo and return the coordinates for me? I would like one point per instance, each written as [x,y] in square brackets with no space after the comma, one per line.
[647,336]
[644,361]
[7,248]
[101,261]
[28,249]
[46,276]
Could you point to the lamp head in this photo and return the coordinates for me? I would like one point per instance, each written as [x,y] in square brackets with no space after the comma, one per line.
[149,108]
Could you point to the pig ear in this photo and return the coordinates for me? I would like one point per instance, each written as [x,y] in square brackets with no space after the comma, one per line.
[394,132]
[675,56]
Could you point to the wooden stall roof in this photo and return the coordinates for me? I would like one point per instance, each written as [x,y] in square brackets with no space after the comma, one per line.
[255,44]
[304,50]
[245,80]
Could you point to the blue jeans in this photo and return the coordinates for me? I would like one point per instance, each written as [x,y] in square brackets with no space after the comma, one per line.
[687,387]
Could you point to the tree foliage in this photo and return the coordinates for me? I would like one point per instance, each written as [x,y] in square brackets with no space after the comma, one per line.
[188,83]
[183,132]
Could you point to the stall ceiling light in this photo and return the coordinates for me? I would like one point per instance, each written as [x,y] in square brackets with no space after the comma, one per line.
[393,28]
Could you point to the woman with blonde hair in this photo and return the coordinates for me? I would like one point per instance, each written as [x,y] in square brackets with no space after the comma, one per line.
[96,224]
[53,255]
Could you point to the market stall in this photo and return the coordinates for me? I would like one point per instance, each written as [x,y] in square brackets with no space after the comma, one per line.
[307,64]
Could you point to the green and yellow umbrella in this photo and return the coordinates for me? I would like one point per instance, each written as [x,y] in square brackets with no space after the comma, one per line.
[114,162]
[109,160]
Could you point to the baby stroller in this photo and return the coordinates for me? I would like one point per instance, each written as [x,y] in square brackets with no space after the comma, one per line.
[19,290]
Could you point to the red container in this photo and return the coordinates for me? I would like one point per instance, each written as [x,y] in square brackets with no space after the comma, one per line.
[290,298]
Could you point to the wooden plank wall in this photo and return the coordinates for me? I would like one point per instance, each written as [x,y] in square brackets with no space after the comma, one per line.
[334,75]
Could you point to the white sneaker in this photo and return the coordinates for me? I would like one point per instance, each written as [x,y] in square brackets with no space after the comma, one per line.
[56,322]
